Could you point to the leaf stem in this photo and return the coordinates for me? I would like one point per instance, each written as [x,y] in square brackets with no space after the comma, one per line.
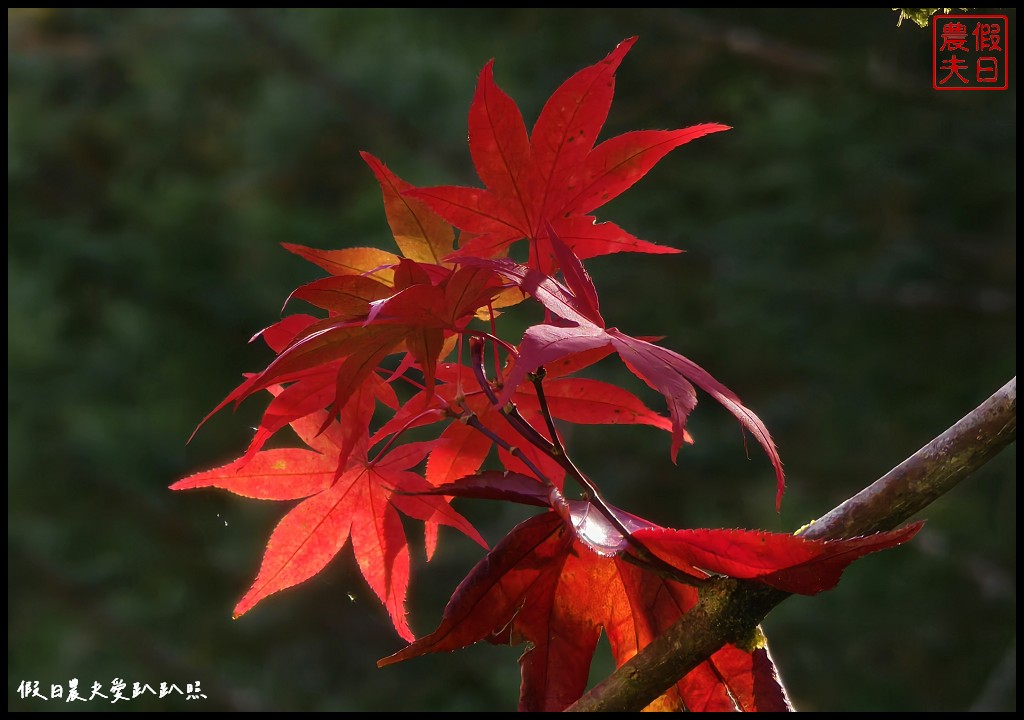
[558,453]
[537,377]
[473,421]
[511,414]
[494,331]
[493,338]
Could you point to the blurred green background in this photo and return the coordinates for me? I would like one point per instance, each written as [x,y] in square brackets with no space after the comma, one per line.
[850,272]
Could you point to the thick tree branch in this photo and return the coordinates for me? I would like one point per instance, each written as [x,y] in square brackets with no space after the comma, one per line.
[729,610]
[928,474]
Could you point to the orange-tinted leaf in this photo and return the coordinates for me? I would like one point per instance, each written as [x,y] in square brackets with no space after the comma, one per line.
[346,296]
[506,298]
[322,343]
[425,345]
[356,369]
[301,400]
[421,235]
[350,261]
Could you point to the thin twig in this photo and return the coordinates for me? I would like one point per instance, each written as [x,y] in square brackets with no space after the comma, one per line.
[493,338]
[556,452]
[509,411]
[642,556]
[537,378]
[474,422]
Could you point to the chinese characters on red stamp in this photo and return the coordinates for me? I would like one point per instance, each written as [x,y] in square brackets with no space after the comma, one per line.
[970,52]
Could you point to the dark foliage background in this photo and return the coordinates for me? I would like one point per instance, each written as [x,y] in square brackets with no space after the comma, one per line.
[850,272]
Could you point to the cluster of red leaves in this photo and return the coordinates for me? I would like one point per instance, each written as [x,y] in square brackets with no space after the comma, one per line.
[580,567]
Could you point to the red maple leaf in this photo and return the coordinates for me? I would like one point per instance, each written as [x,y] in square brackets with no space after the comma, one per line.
[583,331]
[326,361]
[570,399]
[554,174]
[362,504]
[560,578]
[378,303]
[419,232]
